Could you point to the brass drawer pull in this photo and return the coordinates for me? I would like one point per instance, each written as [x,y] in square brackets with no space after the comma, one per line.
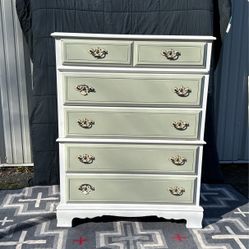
[84,89]
[178,160]
[182,91]
[177,191]
[86,159]
[86,189]
[171,54]
[181,125]
[85,123]
[98,53]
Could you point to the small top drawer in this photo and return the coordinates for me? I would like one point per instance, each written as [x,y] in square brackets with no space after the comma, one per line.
[75,51]
[170,54]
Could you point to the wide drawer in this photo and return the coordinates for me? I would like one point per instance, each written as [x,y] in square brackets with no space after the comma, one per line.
[133,122]
[133,89]
[169,54]
[136,188]
[76,51]
[125,158]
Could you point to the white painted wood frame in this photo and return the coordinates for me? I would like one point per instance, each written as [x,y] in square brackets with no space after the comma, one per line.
[66,211]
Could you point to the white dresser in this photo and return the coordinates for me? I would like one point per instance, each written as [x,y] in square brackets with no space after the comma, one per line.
[131,113]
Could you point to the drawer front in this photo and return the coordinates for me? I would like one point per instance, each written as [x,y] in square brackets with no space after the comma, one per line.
[118,188]
[122,122]
[133,89]
[96,52]
[131,158]
[168,54]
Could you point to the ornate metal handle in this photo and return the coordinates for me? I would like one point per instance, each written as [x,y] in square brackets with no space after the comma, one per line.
[84,89]
[177,191]
[86,189]
[178,160]
[182,91]
[98,53]
[181,125]
[85,123]
[171,54]
[86,159]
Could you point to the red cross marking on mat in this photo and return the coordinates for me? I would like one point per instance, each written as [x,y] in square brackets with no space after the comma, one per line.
[179,237]
[81,241]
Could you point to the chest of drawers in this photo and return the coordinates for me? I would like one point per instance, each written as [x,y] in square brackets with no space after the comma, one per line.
[131,117]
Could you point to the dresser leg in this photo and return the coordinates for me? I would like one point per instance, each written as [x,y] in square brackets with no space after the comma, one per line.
[194,220]
[64,219]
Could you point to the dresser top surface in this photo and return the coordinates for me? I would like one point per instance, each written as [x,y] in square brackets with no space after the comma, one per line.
[133,37]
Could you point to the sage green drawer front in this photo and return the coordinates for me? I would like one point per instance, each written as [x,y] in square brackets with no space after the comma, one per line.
[168,54]
[131,158]
[96,52]
[130,89]
[120,188]
[133,122]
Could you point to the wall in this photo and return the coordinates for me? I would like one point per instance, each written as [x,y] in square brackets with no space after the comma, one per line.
[14,87]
